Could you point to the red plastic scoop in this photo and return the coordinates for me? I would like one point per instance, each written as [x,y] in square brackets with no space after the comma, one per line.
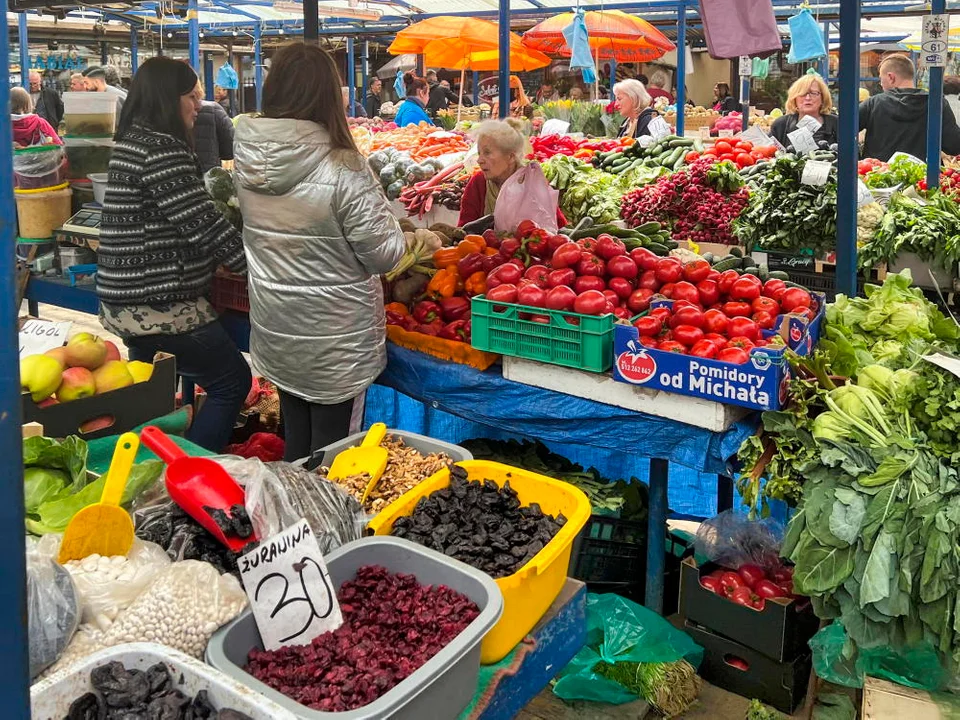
[196,483]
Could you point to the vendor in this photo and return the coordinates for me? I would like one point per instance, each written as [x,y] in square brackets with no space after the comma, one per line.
[724,102]
[808,97]
[161,238]
[413,110]
[520,104]
[318,232]
[501,146]
[635,104]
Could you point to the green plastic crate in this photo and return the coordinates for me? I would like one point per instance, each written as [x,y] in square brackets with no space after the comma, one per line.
[585,346]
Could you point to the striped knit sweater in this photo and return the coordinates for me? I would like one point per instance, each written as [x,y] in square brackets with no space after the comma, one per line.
[161,238]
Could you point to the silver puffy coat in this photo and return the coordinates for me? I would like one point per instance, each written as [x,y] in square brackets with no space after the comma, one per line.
[317,234]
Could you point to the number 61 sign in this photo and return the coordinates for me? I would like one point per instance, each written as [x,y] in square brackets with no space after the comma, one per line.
[290,591]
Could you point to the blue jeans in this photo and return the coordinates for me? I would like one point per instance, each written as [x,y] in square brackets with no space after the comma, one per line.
[209,358]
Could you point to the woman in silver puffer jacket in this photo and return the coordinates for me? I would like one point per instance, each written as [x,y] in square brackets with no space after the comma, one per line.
[317,234]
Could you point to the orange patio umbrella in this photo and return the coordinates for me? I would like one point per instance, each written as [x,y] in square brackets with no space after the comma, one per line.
[450,54]
[614,35]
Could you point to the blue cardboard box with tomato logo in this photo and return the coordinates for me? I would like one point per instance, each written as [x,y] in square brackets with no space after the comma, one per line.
[760,383]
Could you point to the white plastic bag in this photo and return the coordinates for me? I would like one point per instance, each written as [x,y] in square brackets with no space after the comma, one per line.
[526,195]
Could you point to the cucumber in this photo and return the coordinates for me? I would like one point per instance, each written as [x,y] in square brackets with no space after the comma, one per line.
[708,257]
[728,263]
[679,163]
[681,142]
[736,251]
[779,275]
[752,270]
[648,228]
[764,272]
[658,249]
[670,244]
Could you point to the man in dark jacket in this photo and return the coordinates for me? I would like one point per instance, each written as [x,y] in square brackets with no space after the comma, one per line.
[896,119]
[212,136]
[46,101]
[372,102]
[440,96]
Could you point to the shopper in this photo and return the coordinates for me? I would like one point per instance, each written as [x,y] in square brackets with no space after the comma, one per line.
[501,147]
[412,110]
[358,110]
[807,97]
[655,88]
[161,238]
[951,93]
[29,128]
[576,93]
[896,119]
[78,83]
[111,76]
[212,136]
[222,96]
[440,96]
[96,81]
[318,232]
[372,103]
[46,101]
[724,102]
[635,104]
[547,93]
[520,105]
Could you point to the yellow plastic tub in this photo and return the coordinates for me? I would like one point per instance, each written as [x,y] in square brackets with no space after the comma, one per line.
[528,592]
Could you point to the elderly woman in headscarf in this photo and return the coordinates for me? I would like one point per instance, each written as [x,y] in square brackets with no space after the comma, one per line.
[519,102]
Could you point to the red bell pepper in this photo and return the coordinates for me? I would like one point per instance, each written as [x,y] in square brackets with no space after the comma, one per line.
[455,330]
[431,328]
[455,308]
[426,311]
[470,264]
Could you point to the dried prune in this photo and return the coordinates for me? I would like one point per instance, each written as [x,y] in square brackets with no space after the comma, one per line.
[86,707]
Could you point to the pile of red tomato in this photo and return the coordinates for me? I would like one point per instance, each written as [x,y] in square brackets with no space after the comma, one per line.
[750,586]
[740,152]
[714,315]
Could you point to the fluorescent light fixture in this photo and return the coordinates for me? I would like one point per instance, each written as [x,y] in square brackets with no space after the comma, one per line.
[331,12]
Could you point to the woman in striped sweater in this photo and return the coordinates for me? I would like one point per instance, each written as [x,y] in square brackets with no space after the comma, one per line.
[161,239]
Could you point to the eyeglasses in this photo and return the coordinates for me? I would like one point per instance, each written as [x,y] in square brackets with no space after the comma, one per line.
[811,93]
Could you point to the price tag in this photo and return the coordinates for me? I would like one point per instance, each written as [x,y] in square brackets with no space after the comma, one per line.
[555,126]
[802,141]
[810,123]
[933,40]
[945,361]
[658,128]
[864,196]
[746,66]
[290,591]
[815,172]
[726,133]
[757,136]
[704,132]
[38,336]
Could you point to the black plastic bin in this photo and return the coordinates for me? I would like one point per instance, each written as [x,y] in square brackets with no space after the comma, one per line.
[610,555]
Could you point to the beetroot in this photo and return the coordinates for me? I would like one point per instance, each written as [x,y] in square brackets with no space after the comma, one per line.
[392,625]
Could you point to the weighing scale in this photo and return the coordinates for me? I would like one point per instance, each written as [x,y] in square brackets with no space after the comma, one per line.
[81,229]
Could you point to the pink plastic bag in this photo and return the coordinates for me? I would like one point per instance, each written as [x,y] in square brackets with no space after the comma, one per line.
[526,195]
[740,27]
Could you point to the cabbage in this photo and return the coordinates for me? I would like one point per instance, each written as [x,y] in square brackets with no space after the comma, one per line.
[388,173]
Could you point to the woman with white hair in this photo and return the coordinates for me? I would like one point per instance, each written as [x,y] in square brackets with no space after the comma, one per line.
[634,103]
[657,87]
[501,146]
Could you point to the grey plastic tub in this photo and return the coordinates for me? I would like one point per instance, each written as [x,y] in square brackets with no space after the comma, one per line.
[421,443]
[440,689]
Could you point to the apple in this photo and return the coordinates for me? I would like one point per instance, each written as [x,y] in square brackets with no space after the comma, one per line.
[141,371]
[86,350]
[98,423]
[112,375]
[77,383]
[113,352]
[40,375]
[60,355]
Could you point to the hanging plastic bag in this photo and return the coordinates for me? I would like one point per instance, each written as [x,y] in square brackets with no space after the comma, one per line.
[740,27]
[227,78]
[53,606]
[732,540]
[526,195]
[761,68]
[806,38]
[632,652]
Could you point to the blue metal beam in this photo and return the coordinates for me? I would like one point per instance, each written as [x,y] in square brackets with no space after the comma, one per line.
[935,112]
[476,87]
[258,65]
[681,69]
[193,24]
[849,128]
[504,44]
[364,69]
[134,51]
[23,39]
[351,77]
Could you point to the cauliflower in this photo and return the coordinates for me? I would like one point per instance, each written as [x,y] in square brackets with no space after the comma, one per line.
[219,184]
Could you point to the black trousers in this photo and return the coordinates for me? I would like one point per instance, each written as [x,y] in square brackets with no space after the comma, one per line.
[310,426]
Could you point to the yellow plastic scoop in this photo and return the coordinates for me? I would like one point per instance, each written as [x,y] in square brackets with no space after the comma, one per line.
[104,528]
[369,458]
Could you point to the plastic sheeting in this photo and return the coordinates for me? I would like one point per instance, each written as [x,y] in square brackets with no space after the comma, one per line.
[455,402]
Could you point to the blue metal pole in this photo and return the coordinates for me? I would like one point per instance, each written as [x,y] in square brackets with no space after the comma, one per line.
[23,39]
[351,76]
[681,67]
[847,161]
[825,60]
[134,51]
[364,69]
[476,87]
[935,113]
[193,23]
[14,641]
[104,56]
[503,21]
[656,534]
[208,80]
[258,65]
[745,103]
[613,74]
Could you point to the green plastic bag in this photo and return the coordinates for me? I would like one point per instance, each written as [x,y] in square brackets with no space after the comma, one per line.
[621,630]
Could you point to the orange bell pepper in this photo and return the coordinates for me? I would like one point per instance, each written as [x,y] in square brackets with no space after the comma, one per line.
[490,251]
[473,243]
[398,307]
[443,284]
[476,284]
[448,256]
[584,153]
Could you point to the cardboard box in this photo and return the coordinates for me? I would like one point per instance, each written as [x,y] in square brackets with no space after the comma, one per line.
[759,384]
[744,671]
[884,700]
[122,409]
[780,631]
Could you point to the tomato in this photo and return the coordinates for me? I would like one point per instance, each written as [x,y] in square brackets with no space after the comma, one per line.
[744,145]
[691,157]
[503,293]
[745,289]
[686,291]
[714,321]
[508,274]
[687,316]
[722,147]
[672,346]
[662,313]
[639,300]
[565,276]
[764,320]
[726,281]
[538,274]
[738,341]
[589,282]
[591,302]
[808,313]
[744,327]
[774,289]
[795,298]
[622,266]
[745,159]
[648,326]
[734,355]
[649,281]
[553,242]
[767,589]
[737,309]
[782,574]
[669,270]
[587,244]
[532,295]
[591,265]
[567,255]
[704,349]
[621,286]
[644,258]
[650,342]
[738,663]
[560,298]
[611,297]
[687,335]
[751,574]
[622,313]
[709,292]
[766,304]
[711,583]
[667,290]
[765,151]
[719,340]
[730,156]
[609,247]
[696,270]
